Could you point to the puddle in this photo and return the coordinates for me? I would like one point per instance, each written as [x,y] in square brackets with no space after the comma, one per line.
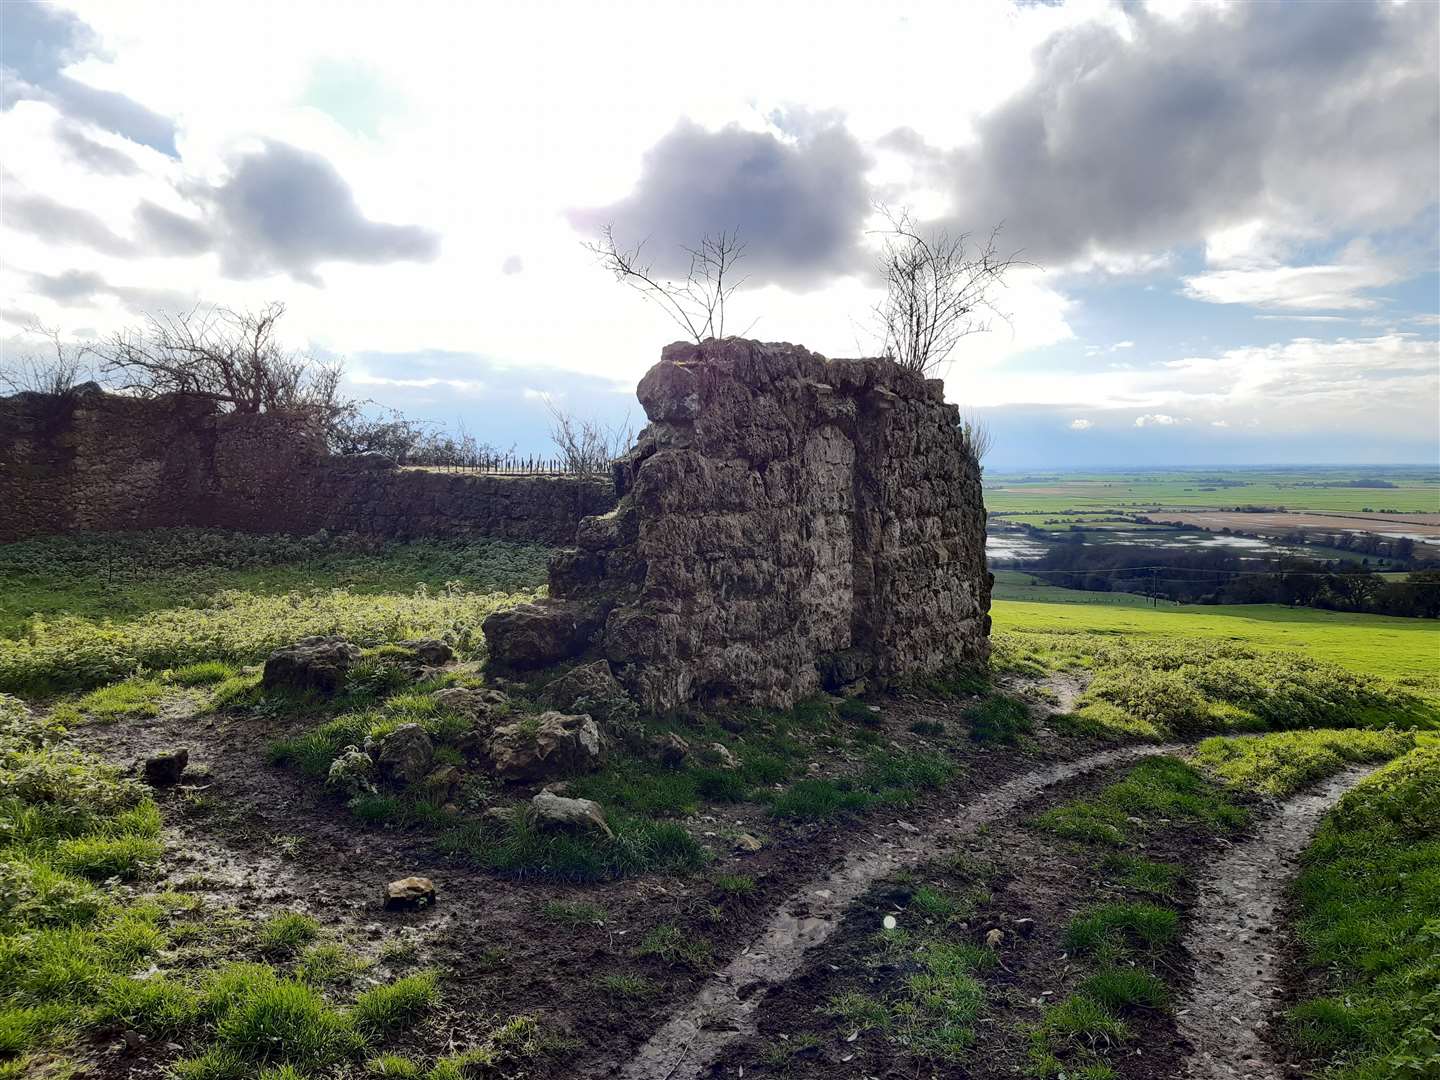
[1235,940]
[724,1009]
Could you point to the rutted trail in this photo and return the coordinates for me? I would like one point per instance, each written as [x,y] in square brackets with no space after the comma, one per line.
[1233,939]
[725,1007]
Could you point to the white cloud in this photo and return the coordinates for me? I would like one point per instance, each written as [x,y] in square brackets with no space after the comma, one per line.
[1081,425]
[1160,420]
[1219,423]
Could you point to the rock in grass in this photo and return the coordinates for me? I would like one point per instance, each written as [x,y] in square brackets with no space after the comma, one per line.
[409,894]
[670,749]
[590,688]
[432,652]
[723,757]
[557,812]
[479,705]
[165,768]
[747,843]
[317,664]
[547,745]
[405,755]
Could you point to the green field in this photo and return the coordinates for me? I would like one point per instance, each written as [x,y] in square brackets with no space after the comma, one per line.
[1047,494]
[1405,651]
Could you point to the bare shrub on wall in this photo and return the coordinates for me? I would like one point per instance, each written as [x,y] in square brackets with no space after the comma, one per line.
[235,358]
[587,447]
[696,304]
[939,288]
[57,370]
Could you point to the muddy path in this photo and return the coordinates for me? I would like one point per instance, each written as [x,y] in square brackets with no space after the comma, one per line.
[256,839]
[1236,942]
[724,1012]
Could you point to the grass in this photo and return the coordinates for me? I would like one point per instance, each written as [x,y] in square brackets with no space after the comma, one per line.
[71,939]
[1159,788]
[1283,763]
[284,935]
[1318,488]
[1369,920]
[1389,660]
[673,947]
[628,987]
[573,913]
[889,778]
[123,576]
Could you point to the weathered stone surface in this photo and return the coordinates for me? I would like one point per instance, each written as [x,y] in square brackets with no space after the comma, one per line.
[430,651]
[550,744]
[786,522]
[557,812]
[92,460]
[313,663]
[480,705]
[670,749]
[404,756]
[165,768]
[589,688]
[721,755]
[409,894]
[533,635]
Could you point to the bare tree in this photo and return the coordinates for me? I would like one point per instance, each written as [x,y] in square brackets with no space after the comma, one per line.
[938,286]
[979,438]
[697,304]
[587,446]
[235,358]
[57,373]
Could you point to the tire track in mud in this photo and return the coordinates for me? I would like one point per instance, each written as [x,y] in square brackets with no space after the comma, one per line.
[725,1008]
[1235,941]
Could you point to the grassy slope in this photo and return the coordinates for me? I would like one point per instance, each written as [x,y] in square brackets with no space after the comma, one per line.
[1403,650]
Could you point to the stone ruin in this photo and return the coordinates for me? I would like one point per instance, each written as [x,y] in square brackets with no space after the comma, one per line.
[785,523]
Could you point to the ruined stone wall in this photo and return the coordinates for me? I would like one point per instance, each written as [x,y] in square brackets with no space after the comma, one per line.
[786,522]
[93,460]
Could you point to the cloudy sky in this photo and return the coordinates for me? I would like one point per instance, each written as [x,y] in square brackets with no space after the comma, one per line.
[1229,212]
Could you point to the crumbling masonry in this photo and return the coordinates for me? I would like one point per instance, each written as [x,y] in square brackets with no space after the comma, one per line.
[786,522]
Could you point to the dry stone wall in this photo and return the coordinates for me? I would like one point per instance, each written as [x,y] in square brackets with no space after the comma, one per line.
[92,460]
[785,522]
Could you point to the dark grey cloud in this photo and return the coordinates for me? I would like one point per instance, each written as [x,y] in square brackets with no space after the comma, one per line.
[285,209]
[798,205]
[1325,111]
[82,288]
[61,224]
[38,41]
[168,233]
[96,157]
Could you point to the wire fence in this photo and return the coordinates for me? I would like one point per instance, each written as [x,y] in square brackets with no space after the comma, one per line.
[512,465]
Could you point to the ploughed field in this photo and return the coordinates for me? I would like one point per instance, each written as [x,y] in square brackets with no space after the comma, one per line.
[1148,843]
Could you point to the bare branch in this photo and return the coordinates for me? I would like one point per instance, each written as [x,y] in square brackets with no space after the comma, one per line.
[587,446]
[697,304]
[938,287]
[57,374]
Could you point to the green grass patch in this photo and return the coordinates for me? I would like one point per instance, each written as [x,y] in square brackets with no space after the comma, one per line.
[890,779]
[675,947]
[999,719]
[286,934]
[1121,926]
[1369,899]
[1283,763]
[1160,788]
